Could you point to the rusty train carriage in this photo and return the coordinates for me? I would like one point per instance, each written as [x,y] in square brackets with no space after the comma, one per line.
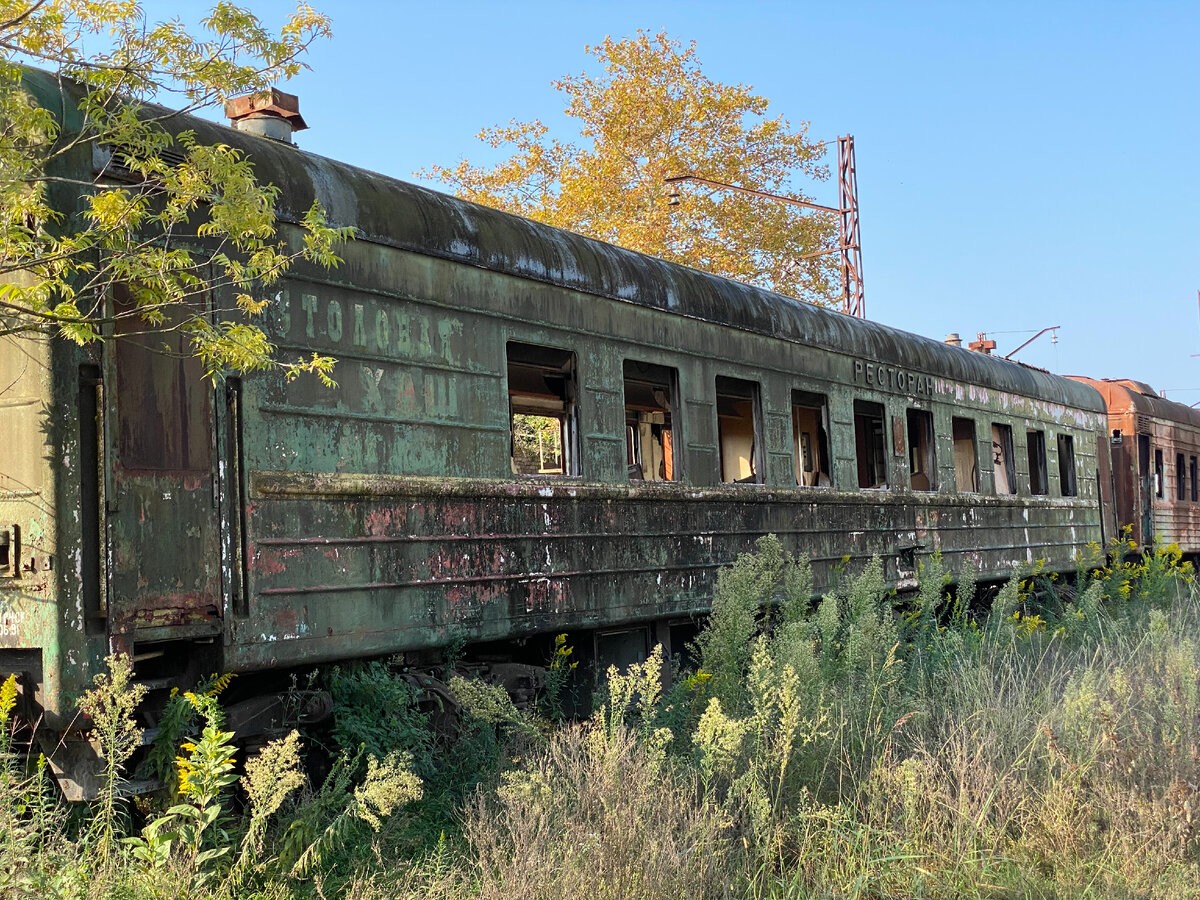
[1155,447]
[258,524]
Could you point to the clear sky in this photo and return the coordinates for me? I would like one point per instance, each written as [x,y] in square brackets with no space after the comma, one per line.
[1020,164]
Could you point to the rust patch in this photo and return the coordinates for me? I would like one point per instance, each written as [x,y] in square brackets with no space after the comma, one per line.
[268,562]
[546,595]
[381,522]
[183,608]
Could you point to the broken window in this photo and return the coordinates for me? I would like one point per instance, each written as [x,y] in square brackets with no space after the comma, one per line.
[921,463]
[542,393]
[1039,482]
[649,437]
[869,441]
[1180,478]
[739,430]
[811,447]
[1158,473]
[966,462]
[1004,467]
[1066,465]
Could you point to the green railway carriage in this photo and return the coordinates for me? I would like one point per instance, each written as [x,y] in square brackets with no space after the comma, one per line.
[257,524]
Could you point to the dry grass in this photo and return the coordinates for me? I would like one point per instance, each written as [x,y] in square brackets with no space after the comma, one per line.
[851,753]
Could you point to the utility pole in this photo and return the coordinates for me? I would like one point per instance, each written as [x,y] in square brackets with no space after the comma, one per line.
[849,241]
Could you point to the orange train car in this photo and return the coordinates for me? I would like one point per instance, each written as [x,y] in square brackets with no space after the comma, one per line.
[1155,446]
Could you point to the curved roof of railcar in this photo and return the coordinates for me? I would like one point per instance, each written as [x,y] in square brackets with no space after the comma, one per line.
[406,216]
[1124,396]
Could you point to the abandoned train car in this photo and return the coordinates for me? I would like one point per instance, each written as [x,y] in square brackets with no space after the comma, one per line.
[1155,445]
[259,524]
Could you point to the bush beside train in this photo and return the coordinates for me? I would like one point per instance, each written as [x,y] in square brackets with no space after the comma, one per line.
[256,525]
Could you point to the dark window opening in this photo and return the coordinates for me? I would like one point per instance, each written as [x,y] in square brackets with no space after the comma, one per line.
[1180,478]
[542,395]
[869,444]
[1192,469]
[163,400]
[922,464]
[1066,465]
[739,430]
[1039,481]
[1158,474]
[1004,466]
[810,413]
[649,434]
[966,459]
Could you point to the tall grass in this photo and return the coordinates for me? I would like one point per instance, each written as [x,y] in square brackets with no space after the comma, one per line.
[859,746]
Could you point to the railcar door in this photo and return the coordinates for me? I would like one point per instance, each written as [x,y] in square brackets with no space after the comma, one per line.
[162,504]
[1145,491]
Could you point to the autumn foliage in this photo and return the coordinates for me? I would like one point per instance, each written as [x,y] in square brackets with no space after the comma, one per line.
[648,114]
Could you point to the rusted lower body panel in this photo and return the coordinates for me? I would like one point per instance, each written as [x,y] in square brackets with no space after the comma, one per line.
[353,565]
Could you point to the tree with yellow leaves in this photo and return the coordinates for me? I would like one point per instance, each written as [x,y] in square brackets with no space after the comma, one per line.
[652,114]
[172,225]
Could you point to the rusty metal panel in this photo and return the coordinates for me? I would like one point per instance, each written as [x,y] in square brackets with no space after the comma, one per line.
[391,563]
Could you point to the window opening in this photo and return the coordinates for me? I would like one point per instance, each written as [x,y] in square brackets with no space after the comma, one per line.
[1192,468]
[1066,465]
[1039,482]
[869,444]
[1004,467]
[966,463]
[810,412]
[542,410]
[1180,478]
[649,435]
[739,430]
[164,401]
[1158,474]
[921,460]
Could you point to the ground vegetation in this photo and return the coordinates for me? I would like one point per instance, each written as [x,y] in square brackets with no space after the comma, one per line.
[1040,739]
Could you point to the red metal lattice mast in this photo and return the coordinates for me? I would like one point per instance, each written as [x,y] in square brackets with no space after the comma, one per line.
[850,242]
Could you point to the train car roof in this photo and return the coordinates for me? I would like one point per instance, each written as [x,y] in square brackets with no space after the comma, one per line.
[1124,396]
[406,216]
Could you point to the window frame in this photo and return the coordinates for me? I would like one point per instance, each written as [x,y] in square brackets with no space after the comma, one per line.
[654,376]
[1039,473]
[955,441]
[818,403]
[874,444]
[740,390]
[1068,484]
[1008,453]
[921,417]
[526,403]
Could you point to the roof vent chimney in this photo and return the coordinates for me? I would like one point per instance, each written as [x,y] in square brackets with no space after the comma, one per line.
[982,344]
[953,339]
[270,114]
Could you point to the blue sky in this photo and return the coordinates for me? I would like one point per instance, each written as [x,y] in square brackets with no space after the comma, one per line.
[1020,164]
